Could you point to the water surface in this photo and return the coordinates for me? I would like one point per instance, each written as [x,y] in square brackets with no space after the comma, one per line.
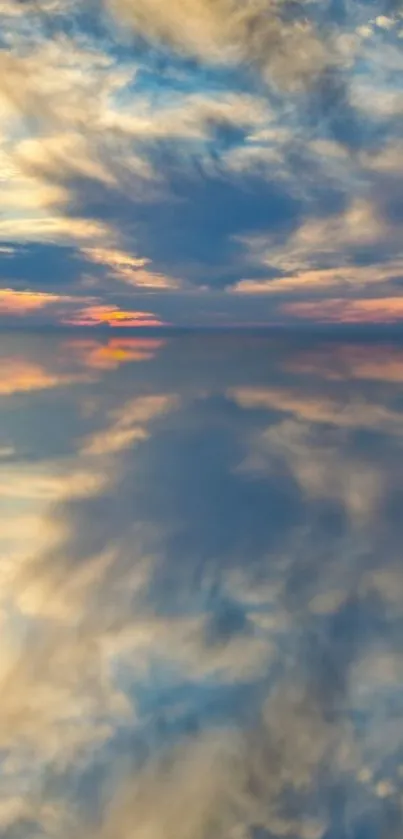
[201,587]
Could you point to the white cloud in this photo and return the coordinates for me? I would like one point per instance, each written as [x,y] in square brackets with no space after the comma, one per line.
[384,22]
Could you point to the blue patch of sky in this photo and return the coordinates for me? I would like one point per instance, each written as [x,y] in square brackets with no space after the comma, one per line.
[44,264]
[168,701]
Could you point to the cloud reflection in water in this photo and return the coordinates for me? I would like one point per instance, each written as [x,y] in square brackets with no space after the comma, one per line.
[201,588]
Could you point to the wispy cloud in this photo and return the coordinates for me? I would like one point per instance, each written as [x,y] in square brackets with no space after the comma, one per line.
[286,49]
[22,302]
[129,269]
[316,408]
[377,310]
[20,375]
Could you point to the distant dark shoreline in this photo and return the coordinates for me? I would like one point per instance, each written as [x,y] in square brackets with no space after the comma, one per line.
[361,332]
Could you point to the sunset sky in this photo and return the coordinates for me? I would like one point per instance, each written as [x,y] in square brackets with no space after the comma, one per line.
[198,163]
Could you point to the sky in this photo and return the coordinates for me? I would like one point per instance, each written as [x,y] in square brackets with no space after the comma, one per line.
[199,163]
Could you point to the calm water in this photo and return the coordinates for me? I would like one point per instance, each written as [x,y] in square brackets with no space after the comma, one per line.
[201,588]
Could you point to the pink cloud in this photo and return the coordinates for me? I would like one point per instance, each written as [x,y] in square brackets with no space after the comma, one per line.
[373,310]
[14,302]
[111,315]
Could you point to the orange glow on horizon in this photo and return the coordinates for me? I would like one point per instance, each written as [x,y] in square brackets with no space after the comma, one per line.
[112,316]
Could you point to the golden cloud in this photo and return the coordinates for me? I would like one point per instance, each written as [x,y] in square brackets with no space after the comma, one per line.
[54,228]
[190,116]
[129,269]
[320,254]
[46,483]
[19,375]
[340,278]
[232,783]
[111,315]
[14,302]
[129,424]
[71,92]
[227,31]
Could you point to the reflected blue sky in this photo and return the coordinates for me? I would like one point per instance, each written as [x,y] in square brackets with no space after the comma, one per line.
[201,587]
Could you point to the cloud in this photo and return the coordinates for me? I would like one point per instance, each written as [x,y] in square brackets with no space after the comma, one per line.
[111,315]
[52,229]
[74,310]
[378,310]
[129,269]
[387,160]
[384,22]
[19,375]
[383,103]
[164,182]
[345,278]
[319,408]
[45,484]
[286,50]
[57,702]
[23,302]
[88,138]
[337,362]
[30,7]
[190,116]
[51,95]
[321,471]
[229,783]
[222,787]
[144,660]
[327,253]
[129,424]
